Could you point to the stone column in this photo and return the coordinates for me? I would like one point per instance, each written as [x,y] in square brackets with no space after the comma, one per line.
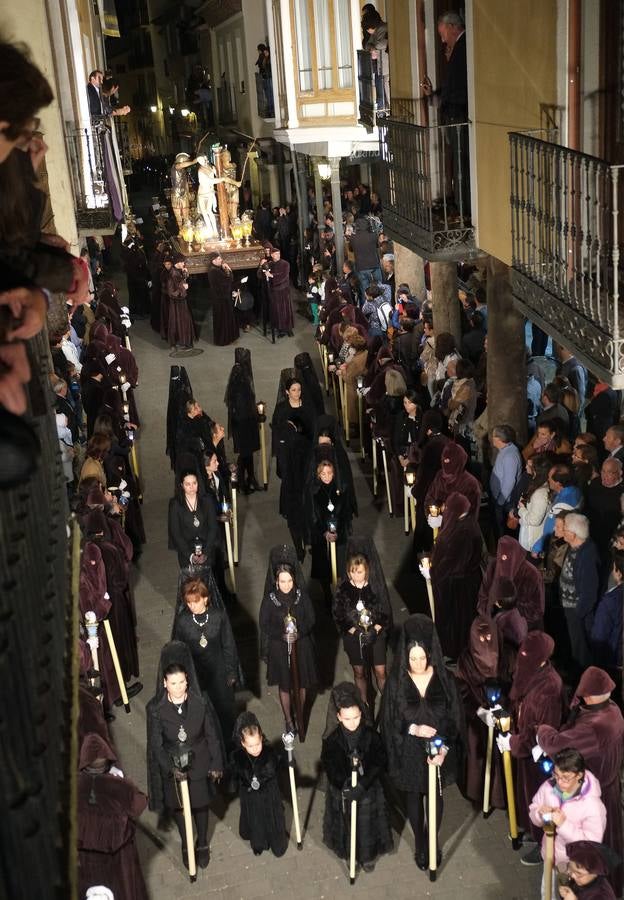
[334,161]
[274,184]
[318,192]
[506,357]
[445,303]
[410,268]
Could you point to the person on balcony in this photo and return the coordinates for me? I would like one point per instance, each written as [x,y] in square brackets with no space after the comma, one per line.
[453,97]
[377,46]
[266,78]
[94,93]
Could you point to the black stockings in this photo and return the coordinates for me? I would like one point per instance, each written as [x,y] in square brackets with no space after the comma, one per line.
[201,824]
[416,805]
[285,702]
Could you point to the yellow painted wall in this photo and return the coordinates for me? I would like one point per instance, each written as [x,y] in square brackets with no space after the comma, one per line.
[27,22]
[515,63]
[400,42]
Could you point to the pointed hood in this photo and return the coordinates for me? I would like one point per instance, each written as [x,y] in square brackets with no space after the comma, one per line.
[95,747]
[594,682]
[456,506]
[535,650]
[454,459]
[509,557]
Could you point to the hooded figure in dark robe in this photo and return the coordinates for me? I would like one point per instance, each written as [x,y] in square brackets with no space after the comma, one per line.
[404,710]
[595,727]
[456,574]
[224,322]
[598,860]
[453,477]
[90,711]
[510,624]
[537,697]
[108,806]
[122,614]
[240,399]
[511,564]
[93,597]
[427,455]
[340,744]
[309,382]
[93,383]
[183,737]
[478,668]
[181,331]
[180,392]
[280,305]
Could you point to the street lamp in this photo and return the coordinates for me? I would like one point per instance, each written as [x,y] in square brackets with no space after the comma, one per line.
[324,170]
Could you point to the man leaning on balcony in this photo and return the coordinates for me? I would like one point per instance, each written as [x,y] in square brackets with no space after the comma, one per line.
[453,97]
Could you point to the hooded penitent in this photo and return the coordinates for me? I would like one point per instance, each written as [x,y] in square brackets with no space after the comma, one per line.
[453,477]
[511,564]
[535,651]
[479,661]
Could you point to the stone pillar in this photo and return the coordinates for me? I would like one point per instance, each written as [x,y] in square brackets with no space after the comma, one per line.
[410,268]
[445,303]
[506,357]
[274,184]
[334,161]
[318,192]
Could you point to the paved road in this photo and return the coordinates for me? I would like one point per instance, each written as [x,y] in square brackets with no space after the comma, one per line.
[478,860]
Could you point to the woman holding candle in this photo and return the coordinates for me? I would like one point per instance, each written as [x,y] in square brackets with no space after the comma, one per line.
[192,519]
[421,702]
[286,622]
[363,615]
[330,516]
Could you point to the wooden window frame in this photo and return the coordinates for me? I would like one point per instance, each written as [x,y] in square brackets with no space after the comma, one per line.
[324,95]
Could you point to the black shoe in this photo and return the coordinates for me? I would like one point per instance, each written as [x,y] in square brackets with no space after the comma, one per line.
[109,717]
[369,866]
[533,857]
[253,484]
[202,857]
[132,691]
[185,857]
[421,860]
[257,852]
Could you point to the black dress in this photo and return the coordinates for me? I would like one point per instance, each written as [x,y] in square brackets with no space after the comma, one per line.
[373,835]
[275,606]
[184,533]
[166,724]
[363,647]
[327,503]
[262,820]
[211,642]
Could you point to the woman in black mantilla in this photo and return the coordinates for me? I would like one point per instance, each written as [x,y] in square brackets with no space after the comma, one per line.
[183,737]
[293,405]
[240,399]
[363,615]
[180,393]
[192,519]
[420,701]
[347,736]
[310,382]
[255,764]
[205,628]
[328,444]
[286,599]
[331,512]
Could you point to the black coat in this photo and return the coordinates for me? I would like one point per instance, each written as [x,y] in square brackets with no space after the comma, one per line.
[183,534]
[373,835]
[262,820]
[202,736]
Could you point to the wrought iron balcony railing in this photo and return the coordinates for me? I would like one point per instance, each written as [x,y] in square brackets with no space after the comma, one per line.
[427,185]
[565,249]
[264,97]
[372,101]
[91,162]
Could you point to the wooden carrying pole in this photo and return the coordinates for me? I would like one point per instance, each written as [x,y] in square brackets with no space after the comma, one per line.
[354,780]
[188,828]
[230,555]
[235,523]
[549,859]
[117,665]
[384,457]
[511,799]
[293,794]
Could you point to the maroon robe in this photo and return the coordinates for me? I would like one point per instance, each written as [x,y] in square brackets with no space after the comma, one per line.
[597,732]
[279,296]
[453,477]
[224,322]
[429,462]
[511,563]
[107,809]
[163,276]
[180,326]
[537,698]
[478,663]
[456,574]
[93,597]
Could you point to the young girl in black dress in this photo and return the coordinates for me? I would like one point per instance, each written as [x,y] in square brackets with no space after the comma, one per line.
[254,765]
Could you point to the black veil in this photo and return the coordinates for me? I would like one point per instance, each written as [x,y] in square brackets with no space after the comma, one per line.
[336,454]
[394,702]
[283,554]
[341,695]
[179,392]
[175,652]
[359,544]
[240,397]
[309,382]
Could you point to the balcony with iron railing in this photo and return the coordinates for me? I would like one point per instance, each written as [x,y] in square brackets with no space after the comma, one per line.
[93,160]
[372,102]
[426,184]
[566,272]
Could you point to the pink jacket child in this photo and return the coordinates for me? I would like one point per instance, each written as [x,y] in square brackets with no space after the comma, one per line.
[572,800]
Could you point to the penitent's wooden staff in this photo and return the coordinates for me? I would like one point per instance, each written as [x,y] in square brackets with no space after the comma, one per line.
[290,624]
[188,827]
[433,749]
[261,411]
[234,486]
[355,763]
[288,740]
[226,510]
[425,571]
[117,665]
[503,722]
[549,857]
[384,457]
